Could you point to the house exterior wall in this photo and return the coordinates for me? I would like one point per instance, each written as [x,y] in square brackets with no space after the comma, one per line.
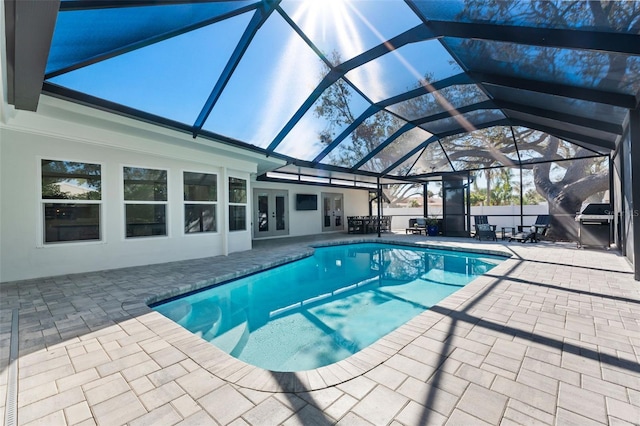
[29,137]
[66,132]
[310,222]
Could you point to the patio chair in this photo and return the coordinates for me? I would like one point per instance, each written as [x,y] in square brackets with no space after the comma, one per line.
[355,225]
[542,223]
[486,231]
[417,226]
[524,236]
[480,219]
[483,228]
[533,232]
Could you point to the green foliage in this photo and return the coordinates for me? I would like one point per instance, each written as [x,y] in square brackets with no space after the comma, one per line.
[502,191]
[51,191]
[432,221]
[477,198]
[532,197]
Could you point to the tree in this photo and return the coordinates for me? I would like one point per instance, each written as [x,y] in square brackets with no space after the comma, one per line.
[569,184]
[565,178]
[532,197]
[477,196]
[578,180]
[500,190]
[335,108]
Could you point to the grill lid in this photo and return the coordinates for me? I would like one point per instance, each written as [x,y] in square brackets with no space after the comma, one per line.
[597,209]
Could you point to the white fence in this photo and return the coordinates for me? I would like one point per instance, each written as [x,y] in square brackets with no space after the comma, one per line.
[498,215]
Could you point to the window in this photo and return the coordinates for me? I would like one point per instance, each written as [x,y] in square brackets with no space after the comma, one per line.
[200,197]
[237,204]
[71,201]
[145,196]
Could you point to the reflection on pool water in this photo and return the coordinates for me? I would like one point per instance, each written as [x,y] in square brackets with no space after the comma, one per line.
[324,308]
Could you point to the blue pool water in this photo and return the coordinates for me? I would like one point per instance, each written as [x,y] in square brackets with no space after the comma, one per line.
[324,308]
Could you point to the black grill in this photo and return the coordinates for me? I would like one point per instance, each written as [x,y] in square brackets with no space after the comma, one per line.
[595,225]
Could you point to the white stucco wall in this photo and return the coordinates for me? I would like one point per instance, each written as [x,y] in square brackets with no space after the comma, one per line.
[28,137]
[310,222]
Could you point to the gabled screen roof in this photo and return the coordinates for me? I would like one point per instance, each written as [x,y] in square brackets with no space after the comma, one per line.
[382,88]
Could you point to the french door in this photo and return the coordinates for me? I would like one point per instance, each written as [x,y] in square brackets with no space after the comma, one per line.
[332,212]
[271,213]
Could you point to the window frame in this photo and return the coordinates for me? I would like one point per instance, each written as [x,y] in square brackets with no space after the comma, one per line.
[144,202]
[231,204]
[41,202]
[215,203]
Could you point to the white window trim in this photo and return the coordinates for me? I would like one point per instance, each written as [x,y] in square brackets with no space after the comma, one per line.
[214,203]
[40,202]
[125,202]
[245,204]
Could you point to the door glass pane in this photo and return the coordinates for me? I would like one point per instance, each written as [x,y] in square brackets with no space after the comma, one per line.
[263,212]
[326,208]
[338,211]
[280,211]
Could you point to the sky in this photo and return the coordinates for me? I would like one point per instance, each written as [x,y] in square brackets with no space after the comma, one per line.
[173,77]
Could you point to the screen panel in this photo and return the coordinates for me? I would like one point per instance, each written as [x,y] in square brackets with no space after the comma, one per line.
[404,69]
[616,16]
[255,106]
[608,71]
[447,99]
[350,28]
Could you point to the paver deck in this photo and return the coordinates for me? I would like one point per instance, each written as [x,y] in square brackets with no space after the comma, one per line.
[550,336]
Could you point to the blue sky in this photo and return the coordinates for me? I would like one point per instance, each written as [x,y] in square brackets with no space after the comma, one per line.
[173,78]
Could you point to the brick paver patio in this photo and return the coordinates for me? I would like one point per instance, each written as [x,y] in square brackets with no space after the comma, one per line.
[550,336]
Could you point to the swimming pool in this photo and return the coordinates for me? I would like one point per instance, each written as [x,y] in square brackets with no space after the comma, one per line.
[324,308]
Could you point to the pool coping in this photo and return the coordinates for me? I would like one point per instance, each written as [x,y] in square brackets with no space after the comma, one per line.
[239,373]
